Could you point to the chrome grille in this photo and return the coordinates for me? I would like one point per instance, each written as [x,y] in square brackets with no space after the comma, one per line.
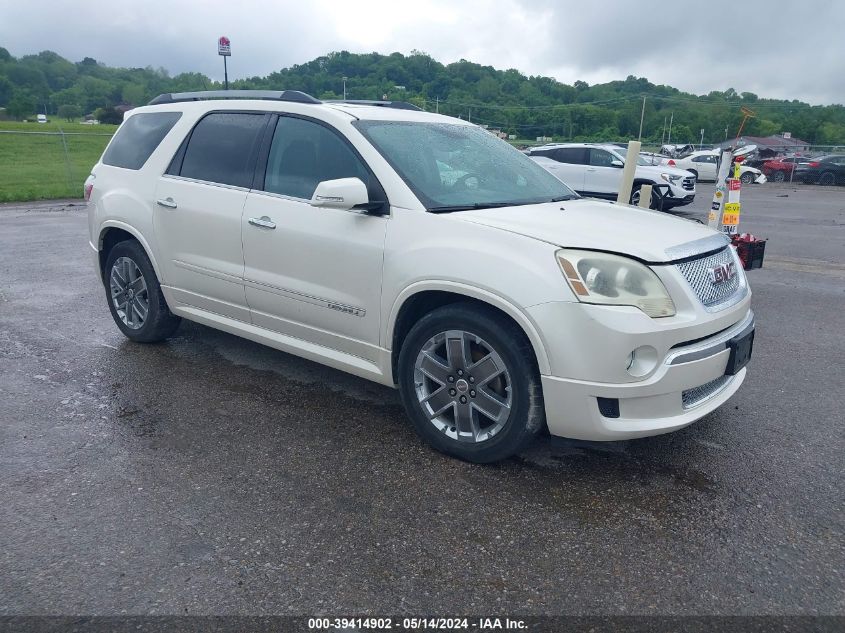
[698,395]
[689,183]
[714,296]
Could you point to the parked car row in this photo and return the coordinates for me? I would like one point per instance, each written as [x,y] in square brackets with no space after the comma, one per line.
[704,165]
[596,171]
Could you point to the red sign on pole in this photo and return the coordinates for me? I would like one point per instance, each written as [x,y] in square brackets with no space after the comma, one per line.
[224,46]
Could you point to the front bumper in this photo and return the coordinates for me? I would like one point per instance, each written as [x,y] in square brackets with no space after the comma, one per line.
[678,202]
[687,382]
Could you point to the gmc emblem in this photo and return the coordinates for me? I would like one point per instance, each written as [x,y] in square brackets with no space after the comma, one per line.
[722,273]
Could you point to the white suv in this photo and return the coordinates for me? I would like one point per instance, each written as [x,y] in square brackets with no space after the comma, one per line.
[418,251]
[596,171]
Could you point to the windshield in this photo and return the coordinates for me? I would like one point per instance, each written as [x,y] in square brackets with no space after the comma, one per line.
[453,167]
[622,152]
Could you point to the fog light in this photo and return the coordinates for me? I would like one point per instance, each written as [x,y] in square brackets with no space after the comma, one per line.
[642,361]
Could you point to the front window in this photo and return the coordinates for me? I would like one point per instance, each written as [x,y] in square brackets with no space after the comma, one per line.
[622,153]
[453,167]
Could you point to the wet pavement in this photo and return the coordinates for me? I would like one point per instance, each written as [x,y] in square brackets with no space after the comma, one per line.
[212,475]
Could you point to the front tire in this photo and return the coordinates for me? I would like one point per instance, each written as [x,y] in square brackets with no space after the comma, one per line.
[469,382]
[747,178]
[827,178]
[654,203]
[778,176]
[134,295]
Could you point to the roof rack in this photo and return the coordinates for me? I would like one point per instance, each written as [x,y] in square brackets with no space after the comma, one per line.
[398,105]
[275,95]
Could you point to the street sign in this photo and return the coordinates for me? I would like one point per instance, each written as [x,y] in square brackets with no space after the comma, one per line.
[224,46]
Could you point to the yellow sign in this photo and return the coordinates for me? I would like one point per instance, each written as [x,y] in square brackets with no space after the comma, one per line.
[731,214]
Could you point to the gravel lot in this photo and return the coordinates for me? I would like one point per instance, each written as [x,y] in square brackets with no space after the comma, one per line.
[210,475]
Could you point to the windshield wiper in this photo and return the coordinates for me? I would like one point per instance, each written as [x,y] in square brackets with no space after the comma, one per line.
[565,198]
[477,205]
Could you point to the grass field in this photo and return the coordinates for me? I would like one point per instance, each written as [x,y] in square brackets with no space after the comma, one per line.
[35,166]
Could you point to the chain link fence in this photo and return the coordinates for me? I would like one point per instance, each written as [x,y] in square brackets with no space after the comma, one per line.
[47,164]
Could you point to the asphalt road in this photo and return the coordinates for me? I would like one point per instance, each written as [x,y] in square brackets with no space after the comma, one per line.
[210,475]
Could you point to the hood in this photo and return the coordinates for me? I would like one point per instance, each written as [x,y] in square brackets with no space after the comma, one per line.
[598,225]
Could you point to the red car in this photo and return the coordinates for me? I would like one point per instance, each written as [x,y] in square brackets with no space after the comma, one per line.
[779,169]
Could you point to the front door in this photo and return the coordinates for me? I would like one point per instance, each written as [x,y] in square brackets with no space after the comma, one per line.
[601,176]
[310,272]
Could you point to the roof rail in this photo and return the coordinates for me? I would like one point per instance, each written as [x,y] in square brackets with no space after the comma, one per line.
[398,105]
[276,95]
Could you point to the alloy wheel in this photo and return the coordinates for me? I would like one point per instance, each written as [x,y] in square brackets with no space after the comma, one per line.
[463,386]
[129,293]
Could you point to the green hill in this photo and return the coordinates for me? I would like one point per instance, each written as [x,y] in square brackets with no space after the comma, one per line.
[527,106]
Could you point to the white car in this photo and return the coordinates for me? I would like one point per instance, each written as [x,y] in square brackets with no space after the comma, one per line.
[596,171]
[704,165]
[421,252]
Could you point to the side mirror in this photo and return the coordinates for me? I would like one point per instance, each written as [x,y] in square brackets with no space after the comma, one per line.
[617,163]
[343,193]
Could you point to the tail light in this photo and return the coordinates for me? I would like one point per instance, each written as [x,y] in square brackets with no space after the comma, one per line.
[89,187]
[671,163]
[815,163]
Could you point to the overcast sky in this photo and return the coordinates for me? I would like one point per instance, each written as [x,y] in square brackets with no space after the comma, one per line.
[791,49]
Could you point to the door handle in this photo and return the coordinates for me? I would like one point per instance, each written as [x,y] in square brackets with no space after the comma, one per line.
[591,169]
[170,203]
[264,222]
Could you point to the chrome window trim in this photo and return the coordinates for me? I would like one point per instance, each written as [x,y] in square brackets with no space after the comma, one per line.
[197,181]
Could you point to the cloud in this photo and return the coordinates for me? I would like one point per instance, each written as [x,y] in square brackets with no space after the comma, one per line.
[781,49]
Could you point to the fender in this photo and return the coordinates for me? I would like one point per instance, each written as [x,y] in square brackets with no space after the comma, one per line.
[475,293]
[117,224]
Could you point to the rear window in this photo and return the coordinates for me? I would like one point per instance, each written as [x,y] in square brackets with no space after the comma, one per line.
[223,148]
[138,138]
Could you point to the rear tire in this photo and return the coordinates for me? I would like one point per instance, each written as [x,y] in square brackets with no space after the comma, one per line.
[134,295]
[470,384]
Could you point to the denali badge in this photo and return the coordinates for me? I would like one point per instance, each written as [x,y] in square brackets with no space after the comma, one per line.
[722,273]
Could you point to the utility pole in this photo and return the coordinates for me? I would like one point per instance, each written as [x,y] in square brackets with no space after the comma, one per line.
[672,118]
[663,134]
[701,142]
[437,105]
[344,87]
[470,115]
[642,115]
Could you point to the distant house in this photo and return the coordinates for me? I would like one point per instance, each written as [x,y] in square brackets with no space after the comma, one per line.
[775,144]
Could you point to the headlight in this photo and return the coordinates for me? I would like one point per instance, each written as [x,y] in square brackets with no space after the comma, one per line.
[606,279]
[670,178]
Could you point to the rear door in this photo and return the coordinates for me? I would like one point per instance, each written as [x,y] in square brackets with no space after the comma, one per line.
[199,203]
[709,167]
[571,166]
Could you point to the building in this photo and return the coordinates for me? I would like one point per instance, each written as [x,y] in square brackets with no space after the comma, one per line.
[776,144]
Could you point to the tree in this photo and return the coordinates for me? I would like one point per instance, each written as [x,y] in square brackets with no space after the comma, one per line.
[70,112]
[108,115]
[21,105]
